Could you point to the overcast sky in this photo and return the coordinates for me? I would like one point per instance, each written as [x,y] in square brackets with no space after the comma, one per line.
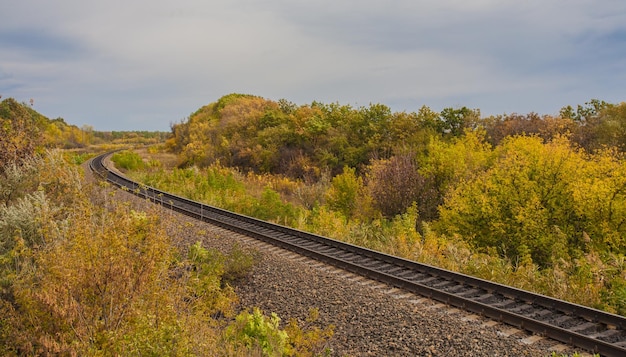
[143,64]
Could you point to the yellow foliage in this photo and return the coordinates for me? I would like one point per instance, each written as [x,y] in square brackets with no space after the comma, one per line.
[457,160]
[103,279]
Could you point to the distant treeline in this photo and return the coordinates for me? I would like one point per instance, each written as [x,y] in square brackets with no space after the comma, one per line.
[158,136]
[23,128]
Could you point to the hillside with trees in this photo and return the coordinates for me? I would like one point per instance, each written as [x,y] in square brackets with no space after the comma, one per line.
[535,201]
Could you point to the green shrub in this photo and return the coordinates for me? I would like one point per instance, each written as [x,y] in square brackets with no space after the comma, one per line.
[77,158]
[17,178]
[128,160]
[257,332]
[237,264]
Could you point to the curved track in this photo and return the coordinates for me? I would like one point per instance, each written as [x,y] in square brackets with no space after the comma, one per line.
[586,328]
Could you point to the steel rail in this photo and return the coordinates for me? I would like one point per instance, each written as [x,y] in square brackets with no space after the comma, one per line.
[401,273]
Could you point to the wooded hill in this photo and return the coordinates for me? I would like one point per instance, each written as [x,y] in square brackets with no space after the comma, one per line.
[280,137]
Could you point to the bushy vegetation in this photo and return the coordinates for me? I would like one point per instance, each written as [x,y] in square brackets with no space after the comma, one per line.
[83,273]
[261,335]
[89,278]
[527,200]
[128,160]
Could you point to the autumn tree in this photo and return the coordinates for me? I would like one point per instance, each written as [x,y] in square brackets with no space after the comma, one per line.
[452,121]
[599,193]
[522,204]
[600,124]
[584,113]
[547,127]
[610,129]
[396,183]
[447,163]
[343,194]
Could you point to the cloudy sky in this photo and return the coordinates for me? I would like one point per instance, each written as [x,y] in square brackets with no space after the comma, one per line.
[143,64]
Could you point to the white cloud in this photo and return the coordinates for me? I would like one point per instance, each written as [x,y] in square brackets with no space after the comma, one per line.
[143,64]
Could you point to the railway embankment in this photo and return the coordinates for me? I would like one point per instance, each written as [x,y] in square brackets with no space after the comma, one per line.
[369,318]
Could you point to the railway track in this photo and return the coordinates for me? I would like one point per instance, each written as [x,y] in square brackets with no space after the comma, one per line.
[579,326]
